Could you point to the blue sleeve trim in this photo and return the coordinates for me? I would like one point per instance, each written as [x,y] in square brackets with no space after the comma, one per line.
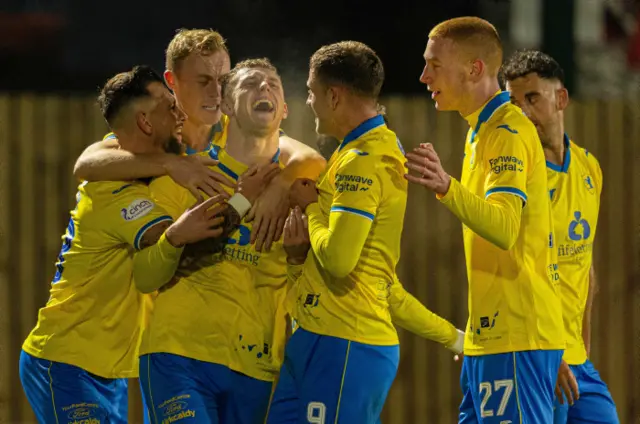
[510,190]
[354,211]
[145,227]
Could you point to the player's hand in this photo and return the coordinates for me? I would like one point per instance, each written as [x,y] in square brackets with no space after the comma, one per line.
[200,222]
[192,173]
[458,357]
[566,384]
[303,192]
[296,237]
[425,161]
[255,179]
[269,212]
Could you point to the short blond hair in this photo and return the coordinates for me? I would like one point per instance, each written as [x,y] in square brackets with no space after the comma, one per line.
[187,41]
[476,36]
[259,63]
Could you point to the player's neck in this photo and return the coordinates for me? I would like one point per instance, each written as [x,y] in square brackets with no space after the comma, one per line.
[137,144]
[196,135]
[480,95]
[251,149]
[554,148]
[352,119]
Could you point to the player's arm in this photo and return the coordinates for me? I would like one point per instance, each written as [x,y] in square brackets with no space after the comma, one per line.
[410,314]
[593,281]
[271,209]
[338,245]
[138,221]
[162,247]
[586,321]
[105,161]
[155,267]
[301,161]
[496,216]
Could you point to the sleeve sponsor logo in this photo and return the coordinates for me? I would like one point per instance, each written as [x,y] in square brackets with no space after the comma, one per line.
[348,182]
[502,164]
[137,209]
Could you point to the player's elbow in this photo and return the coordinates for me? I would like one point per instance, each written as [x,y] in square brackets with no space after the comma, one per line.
[341,268]
[82,170]
[506,242]
[144,285]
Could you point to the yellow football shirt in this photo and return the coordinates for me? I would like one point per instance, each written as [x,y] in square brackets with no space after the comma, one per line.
[228,308]
[514,300]
[574,190]
[363,177]
[93,317]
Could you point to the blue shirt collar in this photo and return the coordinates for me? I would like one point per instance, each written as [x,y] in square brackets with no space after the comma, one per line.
[567,157]
[486,111]
[214,129]
[364,127]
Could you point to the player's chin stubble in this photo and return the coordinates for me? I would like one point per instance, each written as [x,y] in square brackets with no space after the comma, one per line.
[173,146]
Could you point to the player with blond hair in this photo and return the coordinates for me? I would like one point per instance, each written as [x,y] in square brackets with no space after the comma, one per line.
[514,338]
[195,61]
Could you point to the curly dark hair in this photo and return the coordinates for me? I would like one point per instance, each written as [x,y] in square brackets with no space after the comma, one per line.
[524,62]
[124,88]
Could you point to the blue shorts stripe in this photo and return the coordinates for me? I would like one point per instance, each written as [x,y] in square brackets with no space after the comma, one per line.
[344,372]
[53,399]
[515,380]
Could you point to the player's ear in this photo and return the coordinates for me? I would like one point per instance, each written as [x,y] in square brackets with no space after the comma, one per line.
[170,79]
[562,98]
[226,106]
[333,97]
[477,69]
[142,120]
[286,111]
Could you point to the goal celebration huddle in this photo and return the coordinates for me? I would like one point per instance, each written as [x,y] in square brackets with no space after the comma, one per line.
[243,278]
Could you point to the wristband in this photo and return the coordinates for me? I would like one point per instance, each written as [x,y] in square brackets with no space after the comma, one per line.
[458,345]
[240,204]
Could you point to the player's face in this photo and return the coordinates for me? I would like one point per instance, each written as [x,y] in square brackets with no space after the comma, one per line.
[542,100]
[319,100]
[258,100]
[445,74]
[166,119]
[197,88]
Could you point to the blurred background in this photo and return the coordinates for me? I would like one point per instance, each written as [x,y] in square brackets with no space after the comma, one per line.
[55,54]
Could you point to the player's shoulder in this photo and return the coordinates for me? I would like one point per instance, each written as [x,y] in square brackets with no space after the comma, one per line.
[584,165]
[109,191]
[583,156]
[511,122]
[133,199]
[379,143]
[164,185]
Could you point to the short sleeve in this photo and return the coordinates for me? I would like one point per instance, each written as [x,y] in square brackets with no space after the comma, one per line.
[358,185]
[132,212]
[506,163]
